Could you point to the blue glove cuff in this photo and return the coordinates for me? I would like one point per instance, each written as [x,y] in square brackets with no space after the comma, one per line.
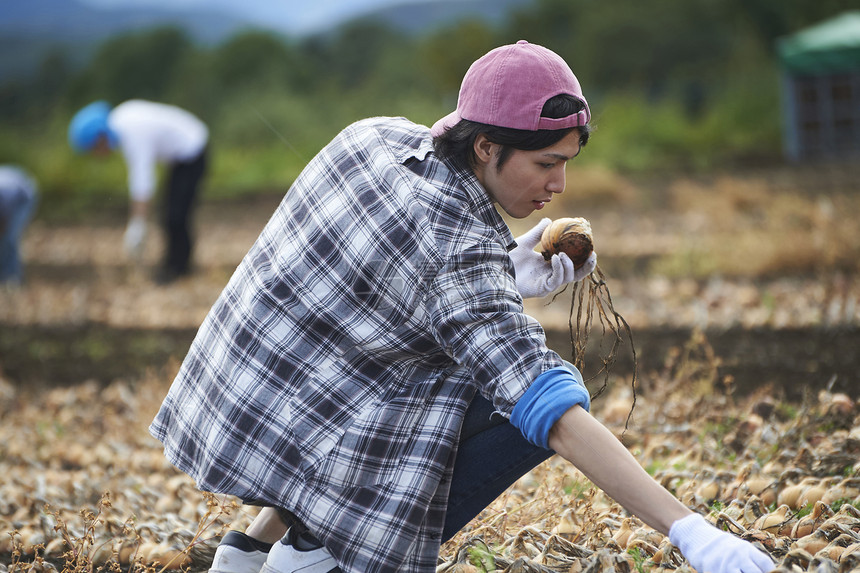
[551,394]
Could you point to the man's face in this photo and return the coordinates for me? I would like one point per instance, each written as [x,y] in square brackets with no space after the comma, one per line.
[102,147]
[528,180]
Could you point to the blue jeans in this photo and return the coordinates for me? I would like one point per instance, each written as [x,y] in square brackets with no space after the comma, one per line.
[492,455]
[11,228]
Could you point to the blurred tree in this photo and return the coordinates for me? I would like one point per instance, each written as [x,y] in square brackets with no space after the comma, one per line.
[545,21]
[141,65]
[445,55]
[27,100]
[14,96]
[53,75]
[256,60]
[354,53]
[195,90]
[767,20]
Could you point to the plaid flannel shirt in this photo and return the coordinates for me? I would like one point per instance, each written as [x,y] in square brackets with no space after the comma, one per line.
[332,374]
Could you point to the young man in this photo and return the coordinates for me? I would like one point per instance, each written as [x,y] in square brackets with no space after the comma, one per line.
[18,193]
[150,133]
[369,375]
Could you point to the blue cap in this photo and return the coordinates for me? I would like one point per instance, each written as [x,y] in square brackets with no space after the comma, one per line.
[89,124]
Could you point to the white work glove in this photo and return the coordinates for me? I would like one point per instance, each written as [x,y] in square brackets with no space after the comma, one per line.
[537,277]
[135,236]
[711,550]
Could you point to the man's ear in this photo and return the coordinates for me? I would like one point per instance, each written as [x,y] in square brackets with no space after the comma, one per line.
[484,149]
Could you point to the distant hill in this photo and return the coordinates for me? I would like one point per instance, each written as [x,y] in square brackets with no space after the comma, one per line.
[421,17]
[71,20]
[31,29]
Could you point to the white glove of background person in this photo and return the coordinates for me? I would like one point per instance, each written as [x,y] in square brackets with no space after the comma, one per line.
[710,549]
[537,277]
[135,236]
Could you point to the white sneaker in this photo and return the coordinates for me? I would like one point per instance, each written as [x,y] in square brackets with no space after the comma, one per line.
[299,553]
[239,553]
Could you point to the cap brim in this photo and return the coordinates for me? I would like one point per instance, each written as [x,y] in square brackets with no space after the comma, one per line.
[445,123]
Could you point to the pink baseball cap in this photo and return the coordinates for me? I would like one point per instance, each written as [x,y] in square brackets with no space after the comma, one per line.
[508,86]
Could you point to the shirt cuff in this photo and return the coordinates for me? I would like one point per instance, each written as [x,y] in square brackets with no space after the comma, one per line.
[551,394]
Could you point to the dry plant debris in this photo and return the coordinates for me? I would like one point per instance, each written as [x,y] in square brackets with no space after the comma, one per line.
[87,489]
[784,476]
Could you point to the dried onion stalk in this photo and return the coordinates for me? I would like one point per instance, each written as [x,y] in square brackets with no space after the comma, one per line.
[590,298]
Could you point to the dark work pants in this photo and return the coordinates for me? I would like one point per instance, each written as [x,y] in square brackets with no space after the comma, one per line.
[182,187]
[492,455]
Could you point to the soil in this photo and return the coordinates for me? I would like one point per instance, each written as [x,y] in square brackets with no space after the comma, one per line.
[86,314]
[795,360]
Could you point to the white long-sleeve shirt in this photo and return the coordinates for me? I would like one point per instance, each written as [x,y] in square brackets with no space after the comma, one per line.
[150,133]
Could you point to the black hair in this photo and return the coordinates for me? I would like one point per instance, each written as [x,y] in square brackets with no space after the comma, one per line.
[457,143]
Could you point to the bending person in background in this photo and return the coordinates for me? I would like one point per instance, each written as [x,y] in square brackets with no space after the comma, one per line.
[369,374]
[18,193]
[149,134]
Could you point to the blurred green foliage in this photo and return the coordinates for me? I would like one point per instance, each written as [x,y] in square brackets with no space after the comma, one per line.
[673,84]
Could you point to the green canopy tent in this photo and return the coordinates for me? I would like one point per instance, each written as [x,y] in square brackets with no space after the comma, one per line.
[821,88]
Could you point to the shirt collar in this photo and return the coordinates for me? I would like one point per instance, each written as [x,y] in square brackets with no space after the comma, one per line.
[483,206]
[478,198]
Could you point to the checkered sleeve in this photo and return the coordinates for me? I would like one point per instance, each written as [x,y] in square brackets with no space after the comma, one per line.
[478,319]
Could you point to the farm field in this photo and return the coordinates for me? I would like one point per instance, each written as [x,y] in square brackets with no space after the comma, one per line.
[742,294]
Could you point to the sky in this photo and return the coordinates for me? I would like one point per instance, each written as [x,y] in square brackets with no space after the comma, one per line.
[294,15]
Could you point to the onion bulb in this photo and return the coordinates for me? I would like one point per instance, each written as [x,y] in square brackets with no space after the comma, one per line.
[570,235]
